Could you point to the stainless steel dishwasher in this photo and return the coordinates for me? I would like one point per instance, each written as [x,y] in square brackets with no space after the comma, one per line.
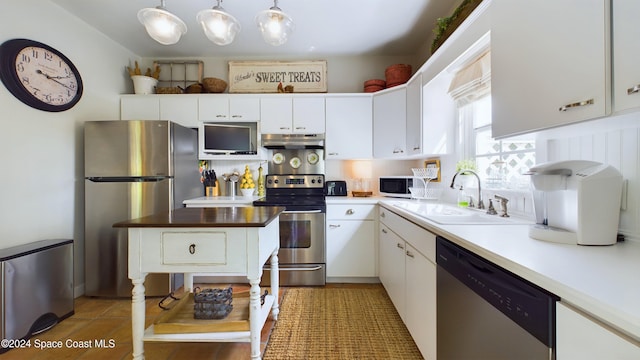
[486,312]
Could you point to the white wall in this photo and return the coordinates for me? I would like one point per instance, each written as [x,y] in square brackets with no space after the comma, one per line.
[42,188]
[614,141]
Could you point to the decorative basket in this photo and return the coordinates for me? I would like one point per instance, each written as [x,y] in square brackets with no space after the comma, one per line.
[397,74]
[169,90]
[214,85]
[374,85]
[194,89]
[212,304]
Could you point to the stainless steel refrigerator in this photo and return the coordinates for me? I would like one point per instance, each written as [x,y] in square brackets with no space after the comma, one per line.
[132,169]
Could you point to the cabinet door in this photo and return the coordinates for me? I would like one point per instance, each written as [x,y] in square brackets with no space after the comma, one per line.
[346,118]
[439,115]
[308,115]
[389,123]
[244,108]
[351,248]
[579,337]
[140,107]
[213,108]
[414,116]
[276,115]
[391,267]
[555,75]
[182,109]
[626,72]
[421,301]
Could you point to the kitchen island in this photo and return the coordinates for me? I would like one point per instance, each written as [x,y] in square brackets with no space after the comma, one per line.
[228,241]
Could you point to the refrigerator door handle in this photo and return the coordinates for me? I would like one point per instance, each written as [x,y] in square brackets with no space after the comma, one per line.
[128,178]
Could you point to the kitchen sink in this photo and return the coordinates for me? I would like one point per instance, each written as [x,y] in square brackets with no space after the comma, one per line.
[452,215]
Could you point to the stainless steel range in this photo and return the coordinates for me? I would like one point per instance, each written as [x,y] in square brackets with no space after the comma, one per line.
[302,255]
[296,181]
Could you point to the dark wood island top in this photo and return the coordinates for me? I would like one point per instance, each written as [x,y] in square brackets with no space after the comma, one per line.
[248,216]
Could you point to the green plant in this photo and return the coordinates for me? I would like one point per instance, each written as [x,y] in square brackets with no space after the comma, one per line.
[443,23]
[466,164]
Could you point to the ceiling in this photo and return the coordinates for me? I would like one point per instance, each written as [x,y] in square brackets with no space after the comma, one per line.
[323,27]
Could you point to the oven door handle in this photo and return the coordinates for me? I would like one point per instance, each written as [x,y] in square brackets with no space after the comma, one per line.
[280,268]
[301,211]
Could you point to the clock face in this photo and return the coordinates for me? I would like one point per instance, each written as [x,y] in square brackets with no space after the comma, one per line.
[39,75]
[46,76]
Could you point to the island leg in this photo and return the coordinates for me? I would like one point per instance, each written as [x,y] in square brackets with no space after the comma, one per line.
[254,318]
[138,317]
[275,284]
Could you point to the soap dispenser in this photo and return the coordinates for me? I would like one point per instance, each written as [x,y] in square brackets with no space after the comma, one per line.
[463,198]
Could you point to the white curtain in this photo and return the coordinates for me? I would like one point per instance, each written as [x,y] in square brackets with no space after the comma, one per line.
[472,81]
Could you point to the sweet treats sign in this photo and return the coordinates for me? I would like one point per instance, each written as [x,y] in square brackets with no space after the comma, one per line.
[276,76]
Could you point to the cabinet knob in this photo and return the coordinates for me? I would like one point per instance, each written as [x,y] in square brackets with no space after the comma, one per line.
[350,212]
[284,128]
[300,128]
[333,153]
[384,231]
[221,116]
[575,105]
[416,148]
[409,254]
[382,214]
[236,116]
[334,226]
[400,246]
[192,249]
[398,151]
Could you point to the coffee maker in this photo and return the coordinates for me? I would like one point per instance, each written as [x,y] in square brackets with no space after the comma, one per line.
[576,202]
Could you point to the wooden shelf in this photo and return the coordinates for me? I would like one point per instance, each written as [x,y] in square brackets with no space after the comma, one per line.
[178,323]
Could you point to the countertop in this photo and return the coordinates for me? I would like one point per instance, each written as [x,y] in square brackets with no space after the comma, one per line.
[603,281]
[208,217]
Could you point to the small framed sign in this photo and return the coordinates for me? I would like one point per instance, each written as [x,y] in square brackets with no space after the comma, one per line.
[433,163]
[270,76]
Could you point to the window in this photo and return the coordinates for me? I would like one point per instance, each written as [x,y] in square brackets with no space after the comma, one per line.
[500,163]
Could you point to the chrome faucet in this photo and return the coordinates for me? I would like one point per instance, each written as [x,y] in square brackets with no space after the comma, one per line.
[503,205]
[464,171]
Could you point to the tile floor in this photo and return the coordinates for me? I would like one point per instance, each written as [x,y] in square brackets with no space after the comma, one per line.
[110,320]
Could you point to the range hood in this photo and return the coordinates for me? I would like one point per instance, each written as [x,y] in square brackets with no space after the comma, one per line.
[293,141]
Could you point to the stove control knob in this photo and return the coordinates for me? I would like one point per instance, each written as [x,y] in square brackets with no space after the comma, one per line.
[269,181]
[276,181]
[313,181]
[320,180]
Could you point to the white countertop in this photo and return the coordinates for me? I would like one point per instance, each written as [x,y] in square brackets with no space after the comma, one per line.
[601,280]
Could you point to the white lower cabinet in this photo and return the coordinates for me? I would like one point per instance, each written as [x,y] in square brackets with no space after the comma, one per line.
[408,272]
[351,247]
[580,337]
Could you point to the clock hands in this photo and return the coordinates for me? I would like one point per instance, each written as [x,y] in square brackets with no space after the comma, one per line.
[54,78]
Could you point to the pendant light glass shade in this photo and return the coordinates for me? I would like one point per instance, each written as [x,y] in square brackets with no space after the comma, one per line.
[219,26]
[161,25]
[275,25]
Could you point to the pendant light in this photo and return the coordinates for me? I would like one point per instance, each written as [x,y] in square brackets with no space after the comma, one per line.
[219,26]
[161,25]
[275,25]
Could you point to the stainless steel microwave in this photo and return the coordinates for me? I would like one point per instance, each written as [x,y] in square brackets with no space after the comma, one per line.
[396,186]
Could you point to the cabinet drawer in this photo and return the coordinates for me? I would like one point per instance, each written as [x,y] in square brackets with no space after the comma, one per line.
[210,248]
[351,212]
[421,239]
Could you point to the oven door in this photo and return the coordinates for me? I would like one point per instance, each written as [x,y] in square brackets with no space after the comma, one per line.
[302,251]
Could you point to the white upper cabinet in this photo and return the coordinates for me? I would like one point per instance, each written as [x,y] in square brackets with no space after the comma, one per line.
[139,107]
[276,114]
[349,127]
[181,109]
[289,115]
[626,52]
[389,123]
[550,62]
[309,115]
[414,116]
[216,108]
[439,114]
